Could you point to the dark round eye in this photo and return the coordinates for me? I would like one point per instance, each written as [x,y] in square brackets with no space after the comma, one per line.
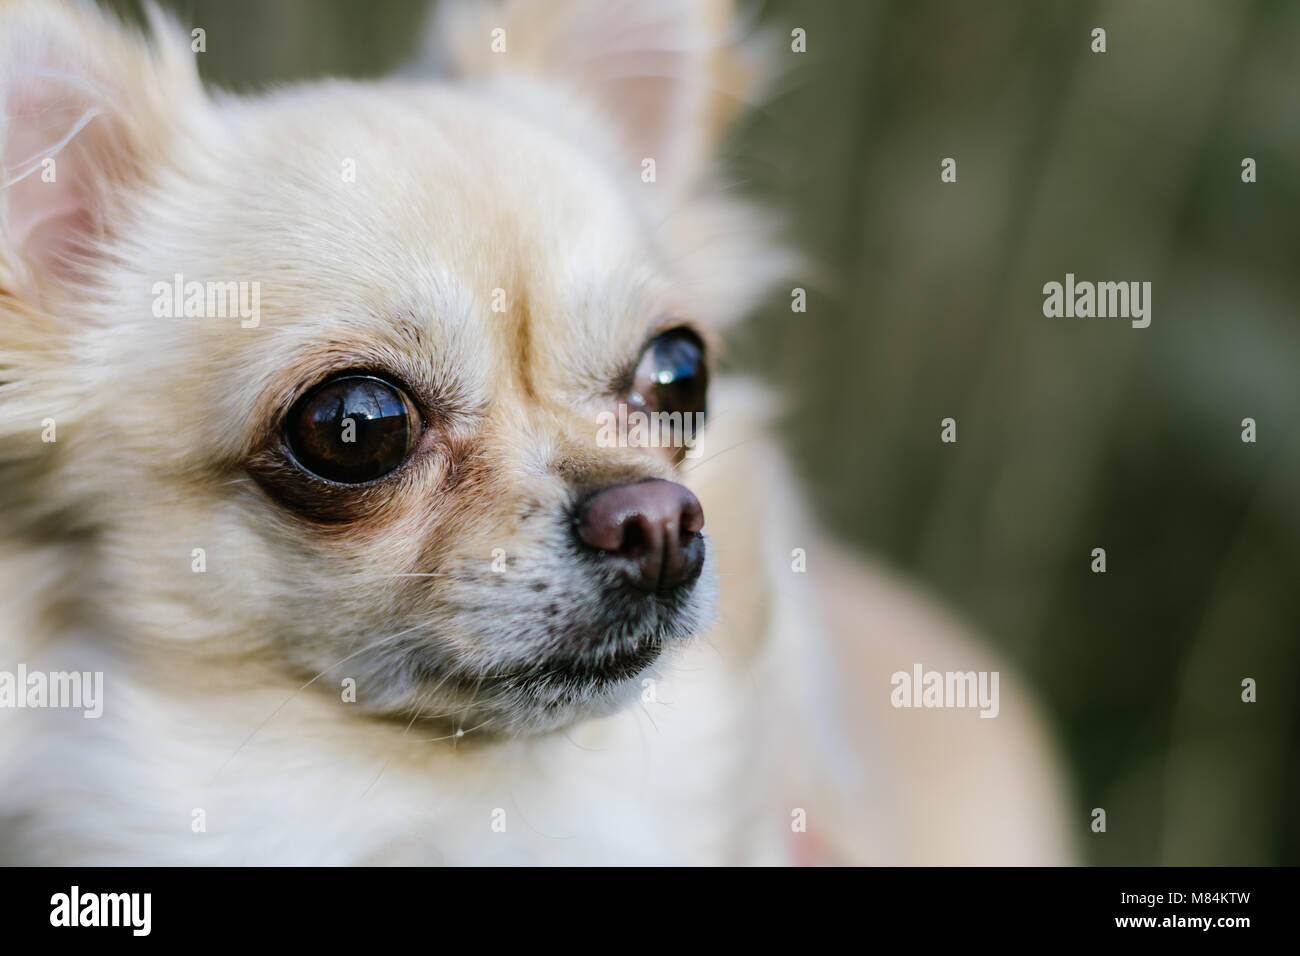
[353,429]
[672,375]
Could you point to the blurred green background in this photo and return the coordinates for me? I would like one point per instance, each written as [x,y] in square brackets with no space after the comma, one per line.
[1072,433]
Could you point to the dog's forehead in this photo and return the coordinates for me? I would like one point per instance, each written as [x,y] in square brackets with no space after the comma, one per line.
[445,208]
[437,174]
[398,186]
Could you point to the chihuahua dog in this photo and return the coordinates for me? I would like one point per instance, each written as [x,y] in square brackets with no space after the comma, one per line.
[306,476]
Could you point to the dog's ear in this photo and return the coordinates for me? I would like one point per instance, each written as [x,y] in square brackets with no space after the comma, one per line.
[669,75]
[88,112]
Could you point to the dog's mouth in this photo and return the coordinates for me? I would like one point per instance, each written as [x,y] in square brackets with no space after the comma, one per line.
[564,675]
[590,664]
[568,668]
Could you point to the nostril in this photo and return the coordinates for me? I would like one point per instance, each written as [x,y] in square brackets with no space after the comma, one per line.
[636,539]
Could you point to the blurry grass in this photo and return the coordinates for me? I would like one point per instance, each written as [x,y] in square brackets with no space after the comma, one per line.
[1073,434]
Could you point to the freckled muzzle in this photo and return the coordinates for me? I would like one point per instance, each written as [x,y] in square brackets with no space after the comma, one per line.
[612,586]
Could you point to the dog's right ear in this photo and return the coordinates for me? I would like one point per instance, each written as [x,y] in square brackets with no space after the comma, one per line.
[89,115]
[89,110]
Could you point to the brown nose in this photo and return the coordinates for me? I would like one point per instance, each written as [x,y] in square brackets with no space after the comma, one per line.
[649,529]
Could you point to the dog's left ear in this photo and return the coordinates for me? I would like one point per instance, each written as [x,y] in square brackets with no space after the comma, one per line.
[670,76]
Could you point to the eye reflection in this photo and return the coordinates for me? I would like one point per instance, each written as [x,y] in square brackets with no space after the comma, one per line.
[672,375]
[352,429]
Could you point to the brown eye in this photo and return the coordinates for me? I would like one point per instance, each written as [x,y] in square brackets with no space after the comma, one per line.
[672,375]
[352,429]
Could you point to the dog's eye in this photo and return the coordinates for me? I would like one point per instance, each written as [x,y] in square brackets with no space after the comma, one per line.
[672,375]
[353,429]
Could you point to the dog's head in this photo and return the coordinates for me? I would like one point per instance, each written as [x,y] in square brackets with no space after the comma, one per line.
[336,375]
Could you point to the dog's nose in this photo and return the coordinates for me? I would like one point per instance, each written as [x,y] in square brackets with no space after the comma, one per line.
[650,528]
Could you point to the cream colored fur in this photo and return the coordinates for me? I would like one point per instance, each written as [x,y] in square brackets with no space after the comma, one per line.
[222,689]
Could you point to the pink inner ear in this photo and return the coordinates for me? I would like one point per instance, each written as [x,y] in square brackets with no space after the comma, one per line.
[642,62]
[48,214]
